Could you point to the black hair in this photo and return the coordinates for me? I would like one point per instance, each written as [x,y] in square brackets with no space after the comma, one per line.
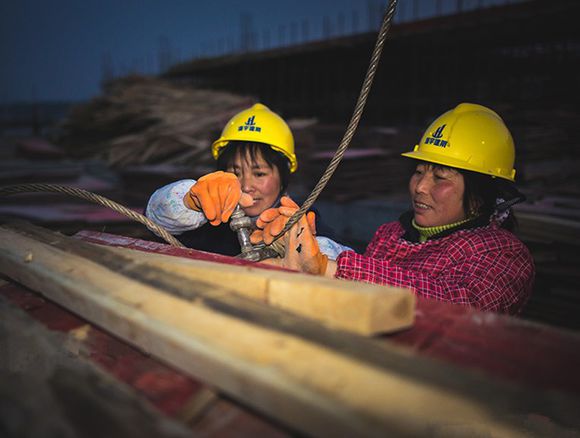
[483,194]
[270,156]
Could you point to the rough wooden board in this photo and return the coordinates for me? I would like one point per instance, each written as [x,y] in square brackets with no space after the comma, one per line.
[358,307]
[210,295]
[244,280]
[170,391]
[319,390]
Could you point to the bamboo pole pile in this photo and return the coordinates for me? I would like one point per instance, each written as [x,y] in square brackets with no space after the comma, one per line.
[144,120]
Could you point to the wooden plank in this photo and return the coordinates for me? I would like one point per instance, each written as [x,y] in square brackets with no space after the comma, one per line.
[549,228]
[116,240]
[356,307]
[168,390]
[499,345]
[315,380]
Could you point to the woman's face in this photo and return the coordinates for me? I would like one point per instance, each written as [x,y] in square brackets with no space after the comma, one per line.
[437,195]
[258,179]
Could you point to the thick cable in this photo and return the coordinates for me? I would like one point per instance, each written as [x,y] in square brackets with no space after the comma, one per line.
[354,121]
[98,199]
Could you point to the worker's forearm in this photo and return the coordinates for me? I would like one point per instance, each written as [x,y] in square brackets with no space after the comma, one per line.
[166,208]
[330,269]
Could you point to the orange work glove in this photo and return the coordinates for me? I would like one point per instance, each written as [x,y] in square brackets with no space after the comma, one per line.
[301,247]
[217,194]
[273,220]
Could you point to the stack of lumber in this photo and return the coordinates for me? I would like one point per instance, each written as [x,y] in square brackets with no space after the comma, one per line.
[33,161]
[148,120]
[548,156]
[371,167]
[548,152]
[307,375]
[362,174]
[359,308]
[555,245]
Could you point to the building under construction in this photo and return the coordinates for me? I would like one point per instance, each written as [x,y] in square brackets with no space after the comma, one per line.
[525,54]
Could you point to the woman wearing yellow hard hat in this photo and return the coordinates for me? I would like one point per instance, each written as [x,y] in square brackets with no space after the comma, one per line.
[455,243]
[255,157]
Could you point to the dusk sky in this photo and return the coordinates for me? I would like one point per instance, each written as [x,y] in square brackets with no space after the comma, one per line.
[58,50]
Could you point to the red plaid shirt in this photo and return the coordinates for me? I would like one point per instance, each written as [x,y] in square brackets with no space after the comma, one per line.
[487,267]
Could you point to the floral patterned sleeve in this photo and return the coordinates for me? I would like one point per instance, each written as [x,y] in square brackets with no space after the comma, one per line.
[330,248]
[166,208]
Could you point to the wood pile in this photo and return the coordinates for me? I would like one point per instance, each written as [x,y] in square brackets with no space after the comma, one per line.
[305,375]
[548,150]
[144,120]
[371,167]
[555,246]
[548,157]
[34,160]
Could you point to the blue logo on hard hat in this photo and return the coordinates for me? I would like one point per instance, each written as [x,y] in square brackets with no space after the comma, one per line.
[435,138]
[250,125]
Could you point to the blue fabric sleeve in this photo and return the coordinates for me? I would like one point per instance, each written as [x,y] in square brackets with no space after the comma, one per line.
[330,248]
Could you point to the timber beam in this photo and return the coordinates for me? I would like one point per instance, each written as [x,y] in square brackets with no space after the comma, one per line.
[317,380]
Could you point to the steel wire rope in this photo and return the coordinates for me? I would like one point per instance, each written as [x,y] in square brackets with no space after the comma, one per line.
[93,197]
[354,121]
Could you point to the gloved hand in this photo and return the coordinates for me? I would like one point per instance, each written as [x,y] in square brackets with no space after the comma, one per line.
[272,221]
[301,247]
[217,194]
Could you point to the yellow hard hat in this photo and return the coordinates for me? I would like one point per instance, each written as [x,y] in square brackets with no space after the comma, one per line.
[470,137]
[258,124]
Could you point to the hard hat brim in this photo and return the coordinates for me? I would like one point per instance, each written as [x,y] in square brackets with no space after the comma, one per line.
[221,143]
[453,162]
